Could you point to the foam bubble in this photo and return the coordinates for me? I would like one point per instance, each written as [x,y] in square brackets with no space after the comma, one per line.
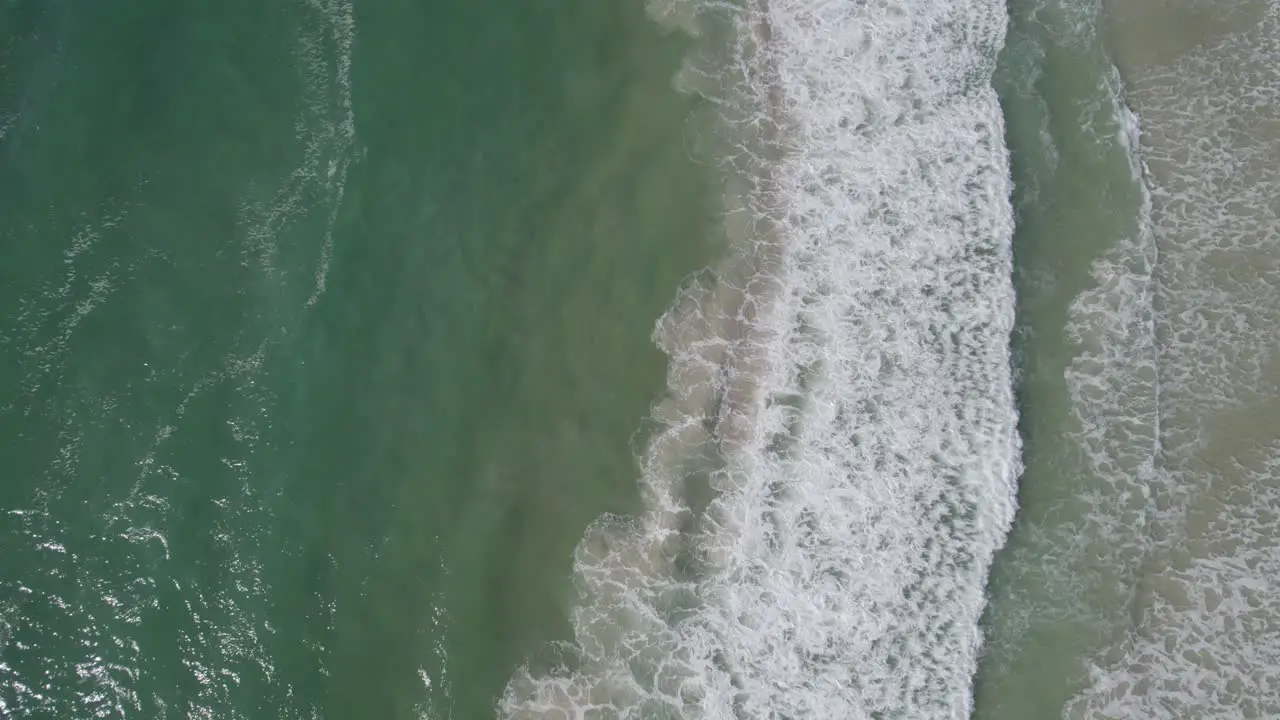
[838,449]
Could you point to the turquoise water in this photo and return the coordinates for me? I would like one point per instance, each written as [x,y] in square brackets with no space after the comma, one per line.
[325,332]
[638,360]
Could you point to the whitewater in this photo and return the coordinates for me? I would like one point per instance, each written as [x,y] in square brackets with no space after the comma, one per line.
[1205,615]
[834,464]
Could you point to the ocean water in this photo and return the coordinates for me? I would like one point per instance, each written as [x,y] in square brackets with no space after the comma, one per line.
[1205,82]
[1087,362]
[678,359]
[324,332]
[1136,581]
[838,451]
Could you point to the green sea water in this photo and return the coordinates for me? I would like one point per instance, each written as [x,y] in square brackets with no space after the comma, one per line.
[1084,351]
[324,331]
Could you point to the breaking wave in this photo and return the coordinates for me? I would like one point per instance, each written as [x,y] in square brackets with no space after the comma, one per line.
[834,463]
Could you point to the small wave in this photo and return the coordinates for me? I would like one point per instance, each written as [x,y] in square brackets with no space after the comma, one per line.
[326,133]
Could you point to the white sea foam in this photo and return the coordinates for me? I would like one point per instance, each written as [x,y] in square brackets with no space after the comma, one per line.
[847,368]
[1207,615]
[1113,381]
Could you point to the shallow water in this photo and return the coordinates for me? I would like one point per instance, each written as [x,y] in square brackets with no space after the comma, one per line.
[1205,614]
[1138,589]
